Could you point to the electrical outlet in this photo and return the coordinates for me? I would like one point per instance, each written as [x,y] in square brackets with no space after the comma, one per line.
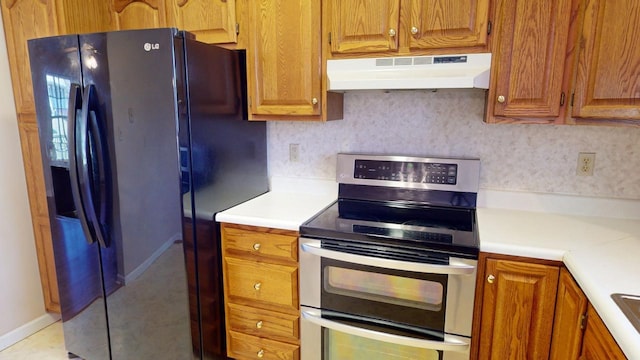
[294,152]
[586,163]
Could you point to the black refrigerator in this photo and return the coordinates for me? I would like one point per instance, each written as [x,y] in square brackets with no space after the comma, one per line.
[144,138]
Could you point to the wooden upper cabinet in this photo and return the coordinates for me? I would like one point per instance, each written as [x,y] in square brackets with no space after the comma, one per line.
[439,24]
[283,58]
[362,26]
[211,21]
[569,319]
[138,14]
[24,20]
[518,302]
[608,72]
[528,61]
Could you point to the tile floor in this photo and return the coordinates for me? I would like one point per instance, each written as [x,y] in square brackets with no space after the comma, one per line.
[47,344]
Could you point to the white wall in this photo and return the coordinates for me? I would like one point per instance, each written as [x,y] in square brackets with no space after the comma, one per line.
[515,157]
[21,302]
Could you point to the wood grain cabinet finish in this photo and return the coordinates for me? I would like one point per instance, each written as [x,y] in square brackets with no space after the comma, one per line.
[211,21]
[260,273]
[528,61]
[283,59]
[518,302]
[608,72]
[598,344]
[402,27]
[569,319]
[138,14]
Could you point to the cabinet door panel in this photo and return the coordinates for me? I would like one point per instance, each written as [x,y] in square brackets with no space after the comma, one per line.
[364,26]
[437,24]
[608,73]
[211,21]
[517,312]
[571,306]
[598,344]
[138,14]
[24,20]
[283,57]
[528,57]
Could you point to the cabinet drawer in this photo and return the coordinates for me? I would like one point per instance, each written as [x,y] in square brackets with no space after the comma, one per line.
[264,283]
[242,346]
[274,244]
[263,323]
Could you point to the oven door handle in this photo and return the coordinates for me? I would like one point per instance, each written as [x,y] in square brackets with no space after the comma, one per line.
[452,269]
[451,343]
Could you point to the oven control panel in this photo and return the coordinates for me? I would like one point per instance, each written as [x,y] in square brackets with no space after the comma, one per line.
[406,171]
[409,172]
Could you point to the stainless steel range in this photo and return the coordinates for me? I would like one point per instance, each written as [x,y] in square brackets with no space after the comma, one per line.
[389,270]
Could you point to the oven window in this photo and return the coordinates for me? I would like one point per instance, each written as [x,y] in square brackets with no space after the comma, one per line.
[385,288]
[340,346]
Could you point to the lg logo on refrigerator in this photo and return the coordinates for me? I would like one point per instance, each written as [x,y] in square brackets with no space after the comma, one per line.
[149,46]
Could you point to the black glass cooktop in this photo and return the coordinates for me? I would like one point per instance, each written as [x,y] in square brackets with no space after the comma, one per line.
[396,226]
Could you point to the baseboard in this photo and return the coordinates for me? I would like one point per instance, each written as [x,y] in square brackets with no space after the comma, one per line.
[27,330]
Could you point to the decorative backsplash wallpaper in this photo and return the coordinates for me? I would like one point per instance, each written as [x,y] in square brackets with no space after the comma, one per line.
[514,157]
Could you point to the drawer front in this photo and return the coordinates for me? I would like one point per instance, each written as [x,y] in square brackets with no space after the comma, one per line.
[263,323]
[272,244]
[242,346]
[265,283]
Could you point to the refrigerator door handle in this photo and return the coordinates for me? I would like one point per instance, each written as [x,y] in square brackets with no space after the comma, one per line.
[96,167]
[76,134]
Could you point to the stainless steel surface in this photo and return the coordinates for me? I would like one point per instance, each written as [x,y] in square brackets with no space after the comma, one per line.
[451,343]
[630,306]
[468,172]
[455,267]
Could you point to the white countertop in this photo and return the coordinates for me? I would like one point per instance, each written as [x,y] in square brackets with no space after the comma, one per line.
[597,239]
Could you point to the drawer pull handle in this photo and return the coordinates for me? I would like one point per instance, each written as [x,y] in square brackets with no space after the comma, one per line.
[257,286]
[259,325]
[261,354]
[491,279]
[256,246]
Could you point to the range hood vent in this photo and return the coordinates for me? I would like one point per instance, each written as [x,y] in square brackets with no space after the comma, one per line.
[416,72]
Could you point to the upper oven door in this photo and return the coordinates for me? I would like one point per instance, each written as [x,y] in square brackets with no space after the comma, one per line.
[432,298]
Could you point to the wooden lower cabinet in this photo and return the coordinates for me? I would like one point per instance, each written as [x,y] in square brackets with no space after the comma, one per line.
[597,343]
[518,301]
[569,320]
[260,274]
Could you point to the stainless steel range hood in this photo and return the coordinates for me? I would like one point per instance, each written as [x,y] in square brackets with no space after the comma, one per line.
[415,72]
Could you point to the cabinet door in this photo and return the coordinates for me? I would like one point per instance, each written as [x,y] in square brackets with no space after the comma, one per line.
[32,159]
[24,20]
[438,24]
[598,344]
[528,59]
[283,58]
[608,72]
[138,14]
[364,26]
[517,311]
[211,21]
[571,308]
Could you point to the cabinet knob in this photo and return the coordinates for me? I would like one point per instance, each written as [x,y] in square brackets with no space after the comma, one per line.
[392,32]
[259,325]
[256,246]
[314,101]
[501,99]
[257,286]
[414,30]
[491,279]
[260,354]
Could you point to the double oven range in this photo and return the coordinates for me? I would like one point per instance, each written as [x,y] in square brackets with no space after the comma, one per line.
[389,270]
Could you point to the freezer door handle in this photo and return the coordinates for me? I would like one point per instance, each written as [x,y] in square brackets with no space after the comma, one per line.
[96,170]
[77,133]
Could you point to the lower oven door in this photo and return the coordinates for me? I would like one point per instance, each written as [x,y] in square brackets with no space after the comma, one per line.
[383,306]
[328,339]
